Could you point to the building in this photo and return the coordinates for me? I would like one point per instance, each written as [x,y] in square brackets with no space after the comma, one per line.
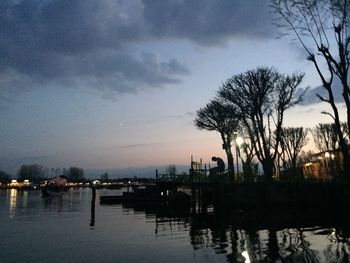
[324,166]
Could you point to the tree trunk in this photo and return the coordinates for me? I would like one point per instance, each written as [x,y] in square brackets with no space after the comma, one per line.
[272,246]
[230,160]
[268,169]
[342,143]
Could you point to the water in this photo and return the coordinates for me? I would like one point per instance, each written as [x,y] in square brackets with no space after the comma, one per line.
[70,229]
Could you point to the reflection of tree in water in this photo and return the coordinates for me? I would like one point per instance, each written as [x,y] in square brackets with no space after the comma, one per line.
[294,247]
[338,250]
[268,245]
[237,240]
[206,232]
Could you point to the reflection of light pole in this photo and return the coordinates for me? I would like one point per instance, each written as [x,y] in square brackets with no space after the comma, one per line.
[239,141]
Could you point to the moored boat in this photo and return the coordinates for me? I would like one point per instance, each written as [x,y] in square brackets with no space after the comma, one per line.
[54,187]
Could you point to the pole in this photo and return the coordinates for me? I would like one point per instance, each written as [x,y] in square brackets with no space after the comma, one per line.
[237,160]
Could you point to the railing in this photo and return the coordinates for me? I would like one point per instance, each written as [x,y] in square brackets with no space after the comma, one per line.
[195,176]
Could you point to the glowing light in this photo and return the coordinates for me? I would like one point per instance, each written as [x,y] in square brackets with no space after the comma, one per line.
[26,182]
[14,183]
[246,256]
[327,154]
[239,141]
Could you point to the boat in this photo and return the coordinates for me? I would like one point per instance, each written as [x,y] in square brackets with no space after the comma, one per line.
[54,187]
[149,194]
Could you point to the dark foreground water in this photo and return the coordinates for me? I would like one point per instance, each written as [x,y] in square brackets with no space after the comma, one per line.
[71,229]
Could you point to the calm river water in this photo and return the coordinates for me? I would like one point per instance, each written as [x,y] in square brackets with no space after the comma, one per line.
[71,229]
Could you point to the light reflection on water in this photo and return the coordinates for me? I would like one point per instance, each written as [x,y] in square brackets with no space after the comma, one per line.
[13,201]
[73,228]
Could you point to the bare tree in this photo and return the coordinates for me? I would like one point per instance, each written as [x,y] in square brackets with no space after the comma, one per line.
[4,177]
[223,118]
[325,137]
[171,169]
[32,172]
[262,96]
[293,139]
[321,27]
[305,157]
[75,174]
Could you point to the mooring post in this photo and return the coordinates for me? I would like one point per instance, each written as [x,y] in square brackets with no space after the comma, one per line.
[93,199]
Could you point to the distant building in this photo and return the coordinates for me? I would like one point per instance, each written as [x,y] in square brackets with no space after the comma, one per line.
[324,166]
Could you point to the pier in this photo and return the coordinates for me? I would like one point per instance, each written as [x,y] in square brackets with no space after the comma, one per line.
[206,193]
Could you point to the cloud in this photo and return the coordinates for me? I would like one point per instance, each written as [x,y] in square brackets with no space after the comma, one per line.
[87,43]
[208,22]
[137,145]
[310,96]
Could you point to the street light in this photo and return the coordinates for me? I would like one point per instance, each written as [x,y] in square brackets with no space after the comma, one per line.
[239,141]
[327,155]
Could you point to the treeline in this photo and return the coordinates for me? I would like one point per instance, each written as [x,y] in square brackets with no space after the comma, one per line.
[36,173]
[253,104]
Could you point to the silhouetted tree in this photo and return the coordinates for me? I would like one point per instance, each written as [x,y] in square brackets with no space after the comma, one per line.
[346,134]
[75,174]
[32,172]
[293,139]
[171,169]
[4,177]
[313,23]
[247,162]
[262,96]
[104,177]
[325,137]
[223,118]
[305,157]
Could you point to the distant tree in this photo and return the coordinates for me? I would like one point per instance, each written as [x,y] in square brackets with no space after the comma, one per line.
[325,137]
[262,96]
[293,139]
[104,177]
[75,174]
[305,157]
[32,172]
[222,118]
[321,27]
[171,169]
[5,177]
[346,133]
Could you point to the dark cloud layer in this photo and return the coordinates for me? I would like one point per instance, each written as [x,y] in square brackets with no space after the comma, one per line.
[208,22]
[89,43]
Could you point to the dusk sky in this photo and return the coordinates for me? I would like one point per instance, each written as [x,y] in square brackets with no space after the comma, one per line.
[114,84]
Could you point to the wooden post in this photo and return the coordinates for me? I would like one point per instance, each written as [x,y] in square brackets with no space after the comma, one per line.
[93,199]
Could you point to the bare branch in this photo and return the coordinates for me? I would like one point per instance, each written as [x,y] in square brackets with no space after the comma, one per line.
[327,113]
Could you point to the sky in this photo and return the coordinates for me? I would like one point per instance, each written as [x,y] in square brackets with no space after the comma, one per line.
[114,84]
